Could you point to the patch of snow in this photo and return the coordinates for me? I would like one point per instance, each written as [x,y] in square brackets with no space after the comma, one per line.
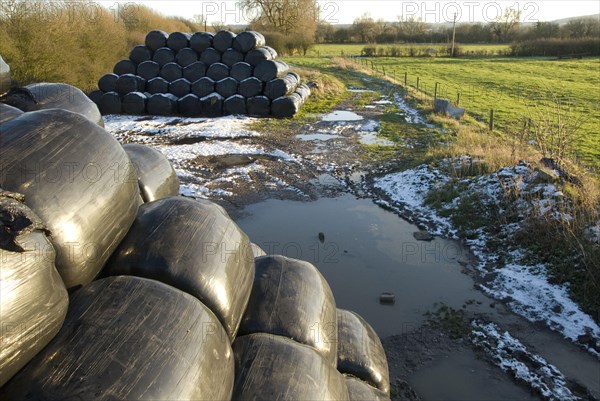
[411,115]
[370,106]
[370,126]
[341,115]
[382,102]
[513,357]
[371,138]
[359,90]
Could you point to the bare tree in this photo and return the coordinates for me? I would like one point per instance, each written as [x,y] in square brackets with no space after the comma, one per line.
[365,28]
[411,26]
[506,26]
[284,16]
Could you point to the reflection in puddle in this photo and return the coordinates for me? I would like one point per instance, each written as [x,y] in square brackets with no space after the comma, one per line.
[371,138]
[318,137]
[341,115]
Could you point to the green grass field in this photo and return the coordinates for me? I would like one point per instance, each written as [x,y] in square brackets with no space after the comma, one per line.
[512,87]
[328,50]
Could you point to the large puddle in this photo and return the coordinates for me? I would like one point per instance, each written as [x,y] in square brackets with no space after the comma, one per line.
[366,251]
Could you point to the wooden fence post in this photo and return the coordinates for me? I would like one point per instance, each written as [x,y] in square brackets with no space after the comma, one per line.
[457,99]
[418,79]
[405,79]
[491,119]
[435,91]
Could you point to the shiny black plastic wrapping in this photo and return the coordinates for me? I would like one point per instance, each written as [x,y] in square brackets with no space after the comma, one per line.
[189,105]
[360,352]
[251,87]
[212,105]
[235,105]
[227,87]
[259,106]
[78,179]
[178,40]
[201,41]
[129,338]
[34,300]
[7,112]
[282,86]
[270,69]
[232,56]
[156,39]
[256,56]
[223,40]
[248,40]
[269,367]
[156,177]
[358,390]
[194,246]
[290,298]
[241,71]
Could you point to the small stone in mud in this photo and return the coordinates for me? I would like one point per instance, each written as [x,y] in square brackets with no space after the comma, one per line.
[321,237]
[422,236]
[387,298]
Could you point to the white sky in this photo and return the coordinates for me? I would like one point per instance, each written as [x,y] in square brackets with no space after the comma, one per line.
[345,11]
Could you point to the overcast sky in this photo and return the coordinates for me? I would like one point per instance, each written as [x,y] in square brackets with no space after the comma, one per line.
[345,11]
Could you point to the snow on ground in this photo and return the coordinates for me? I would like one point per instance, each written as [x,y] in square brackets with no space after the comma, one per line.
[525,288]
[411,114]
[513,357]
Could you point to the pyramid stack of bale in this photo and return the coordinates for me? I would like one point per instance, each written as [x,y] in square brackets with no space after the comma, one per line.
[202,74]
[115,287]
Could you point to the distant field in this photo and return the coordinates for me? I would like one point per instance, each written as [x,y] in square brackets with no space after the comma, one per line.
[327,50]
[510,86]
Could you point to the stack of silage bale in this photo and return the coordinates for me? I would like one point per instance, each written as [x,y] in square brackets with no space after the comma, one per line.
[202,74]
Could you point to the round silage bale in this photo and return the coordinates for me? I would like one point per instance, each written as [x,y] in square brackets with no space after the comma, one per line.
[189,106]
[129,83]
[248,40]
[95,96]
[194,246]
[148,69]
[201,41]
[78,179]
[124,67]
[186,56]
[223,40]
[241,71]
[157,85]
[210,56]
[140,53]
[231,56]
[360,352]
[155,174]
[251,87]
[134,103]
[171,72]
[180,87]
[290,298]
[7,112]
[34,299]
[211,105]
[270,69]
[178,41]
[194,71]
[203,87]
[269,367]
[5,77]
[286,106]
[258,106]
[110,103]
[129,338]
[227,87]
[256,56]
[156,39]
[44,95]
[163,56]
[358,390]
[108,82]
[162,104]
[282,86]
[235,105]
[217,71]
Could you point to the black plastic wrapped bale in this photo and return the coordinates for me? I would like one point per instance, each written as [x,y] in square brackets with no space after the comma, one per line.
[108,82]
[358,390]
[234,105]
[194,246]
[129,338]
[250,87]
[124,67]
[78,179]
[304,91]
[180,87]
[163,56]
[7,112]
[290,298]
[129,83]
[217,71]
[95,96]
[210,56]
[178,40]
[186,56]
[34,299]
[148,69]
[110,103]
[203,87]
[162,104]
[5,77]
[270,69]
[231,56]
[269,367]
[139,54]
[286,106]
[223,40]
[156,39]
[241,71]
[258,106]
[134,103]
[189,105]
[248,40]
[201,41]
[256,56]
[212,105]
[282,86]
[360,352]
[44,96]
[155,174]
[194,71]
[171,72]
[227,87]
[157,85]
